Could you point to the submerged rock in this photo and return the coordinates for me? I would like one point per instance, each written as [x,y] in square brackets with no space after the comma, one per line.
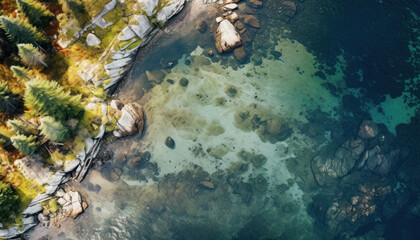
[155,76]
[258,160]
[368,129]
[378,161]
[327,169]
[131,121]
[170,143]
[252,21]
[226,37]
[207,184]
[256,3]
[133,162]
[289,8]
[240,54]
[202,26]
[183,82]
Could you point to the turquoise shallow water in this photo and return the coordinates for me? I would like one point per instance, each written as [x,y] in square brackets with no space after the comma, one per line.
[253,130]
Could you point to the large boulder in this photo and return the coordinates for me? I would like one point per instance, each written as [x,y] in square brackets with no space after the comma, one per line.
[377,161]
[327,169]
[131,121]
[227,38]
[289,8]
[368,129]
[92,40]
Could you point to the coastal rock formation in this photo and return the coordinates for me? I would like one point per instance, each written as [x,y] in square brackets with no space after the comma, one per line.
[326,169]
[173,8]
[131,121]
[357,206]
[227,38]
[377,161]
[72,204]
[140,27]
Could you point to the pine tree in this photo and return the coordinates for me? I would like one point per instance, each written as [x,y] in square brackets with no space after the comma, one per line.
[26,145]
[48,98]
[20,127]
[30,55]
[54,130]
[37,13]
[22,74]
[10,103]
[21,31]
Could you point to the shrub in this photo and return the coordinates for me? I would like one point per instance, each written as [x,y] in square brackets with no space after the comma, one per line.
[9,201]
[10,103]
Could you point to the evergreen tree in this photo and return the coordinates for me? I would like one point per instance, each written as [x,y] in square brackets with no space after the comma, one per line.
[10,103]
[30,55]
[9,201]
[37,13]
[5,143]
[22,74]
[20,127]
[21,31]
[54,130]
[26,145]
[48,98]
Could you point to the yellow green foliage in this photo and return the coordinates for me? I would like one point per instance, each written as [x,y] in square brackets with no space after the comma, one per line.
[135,44]
[94,6]
[92,117]
[26,189]
[51,205]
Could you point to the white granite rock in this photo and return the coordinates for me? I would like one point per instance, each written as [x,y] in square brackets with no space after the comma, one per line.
[232,17]
[119,63]
[92,40]
[169,11]
[61,201]
[126,34]
[131,120]
[116,105]
[230,6]
[143,26]
[227,38]
[149,6]
[33,209]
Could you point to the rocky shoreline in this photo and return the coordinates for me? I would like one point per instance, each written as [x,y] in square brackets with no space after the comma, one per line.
[117,64]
